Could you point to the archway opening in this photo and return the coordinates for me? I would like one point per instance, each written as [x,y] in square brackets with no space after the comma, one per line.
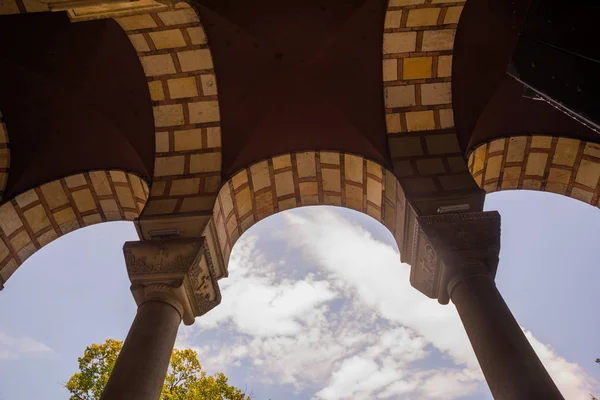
[317,304]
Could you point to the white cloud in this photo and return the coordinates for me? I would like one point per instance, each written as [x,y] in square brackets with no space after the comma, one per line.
[18,347]
[350,326]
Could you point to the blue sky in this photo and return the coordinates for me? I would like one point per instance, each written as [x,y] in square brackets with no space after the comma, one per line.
[318,306]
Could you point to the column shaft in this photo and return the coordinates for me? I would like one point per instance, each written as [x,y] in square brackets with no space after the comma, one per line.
[142,365]
[510,365]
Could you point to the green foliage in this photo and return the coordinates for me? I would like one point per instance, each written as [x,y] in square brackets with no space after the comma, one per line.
[185,379]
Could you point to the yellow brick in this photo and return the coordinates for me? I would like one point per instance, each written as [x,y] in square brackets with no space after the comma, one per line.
[125,197]
[453,15]
[188,140]
[284,183]
[566,152]
[420,121]
[392,123]
[201,203]
[54,194]
[197,35]
[306,164]
[497,145]
[446,118]
[100,183]
[436,93]
[139,42]
[26,198]
[156,90]
[167,39]
[37,218]
[331,179]
[308,189]
[510,180]
[353,166]
[282,162]
[592,149]
[84,200]
[374,191]
[158,65]
[213,137]
[204,111]
[417,68]
[158,188]
[4,158]
[492,168]
[170,115]
[207,162]
[118,176]
[260,176]
[75,181]
[374,169]
[588,173]
[142,21]
[48,237]
[195,60]
[423,16]
[516,149]
[162,142]
[438,40]
[392,19]
[444,66]
[239,179]
[209,85]
[582,195]
[20,241]
[541,142]
[536,164]
[179,17]
[164,166]
[354,197]
[400,96]
[182,87]
[3,134]
[243,201]
[390,70]
[329,158]
[64,216]
[399,42]
[185,186]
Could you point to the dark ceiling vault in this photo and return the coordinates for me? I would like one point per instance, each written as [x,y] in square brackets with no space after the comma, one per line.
[487,102]
[74,98]
[297,76]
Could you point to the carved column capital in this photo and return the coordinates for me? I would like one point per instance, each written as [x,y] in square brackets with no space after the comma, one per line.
[179,272]
[448,248]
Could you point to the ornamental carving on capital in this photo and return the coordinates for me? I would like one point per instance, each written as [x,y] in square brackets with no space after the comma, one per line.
[449,245]
[178,271]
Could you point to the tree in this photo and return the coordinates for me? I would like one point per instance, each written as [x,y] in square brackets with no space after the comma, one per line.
[185,379]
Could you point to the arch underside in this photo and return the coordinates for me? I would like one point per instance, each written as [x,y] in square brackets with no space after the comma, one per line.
[35,218]
[565,166]
[304,179]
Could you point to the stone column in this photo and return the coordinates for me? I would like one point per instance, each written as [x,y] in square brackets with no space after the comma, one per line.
[509,363]
[172,280]
[455,256]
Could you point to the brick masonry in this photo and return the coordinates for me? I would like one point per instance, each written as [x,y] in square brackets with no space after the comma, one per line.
[559,165]
[37,217]
[304,179]
[417,58]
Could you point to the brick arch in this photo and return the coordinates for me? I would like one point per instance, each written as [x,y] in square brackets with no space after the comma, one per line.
[418,43]
[35,218]
[303,179]
[570,167]
[173,51]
